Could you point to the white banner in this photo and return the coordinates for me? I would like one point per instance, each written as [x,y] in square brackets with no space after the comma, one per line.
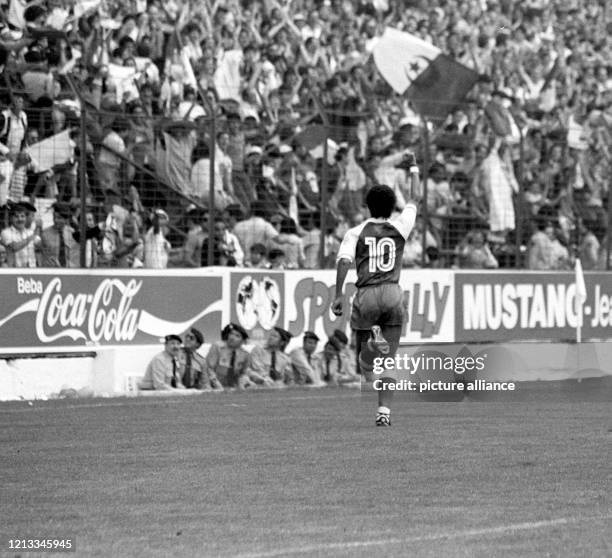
[430,301]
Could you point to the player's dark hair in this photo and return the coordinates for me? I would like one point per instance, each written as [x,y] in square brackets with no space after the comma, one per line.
[381,201]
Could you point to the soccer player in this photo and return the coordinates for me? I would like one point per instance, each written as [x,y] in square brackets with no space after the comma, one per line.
[376,247]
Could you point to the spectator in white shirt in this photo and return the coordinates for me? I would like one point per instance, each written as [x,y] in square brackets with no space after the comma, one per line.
[19,241]
[156,247]
[255,229]
[13,126]
[109,160]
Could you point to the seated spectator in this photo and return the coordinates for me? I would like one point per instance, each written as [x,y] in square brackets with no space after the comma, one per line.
[19,241]
[228,361]
[292,243]
[277,259]
[304,361]
[192,248]
[164,371]
[270,365]
[540,247]
[476,254]
[258,257]
[195,372]
[559,252]
[226,248]
[58,247]
[333,367]
[346,351]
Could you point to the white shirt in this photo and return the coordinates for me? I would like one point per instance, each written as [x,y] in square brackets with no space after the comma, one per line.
[114,142]
[6,172]
[232,240]
[26,257]
[156,249]
[16,126]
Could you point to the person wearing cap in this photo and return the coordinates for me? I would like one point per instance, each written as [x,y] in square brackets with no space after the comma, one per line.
[228,361]
[156,247]
[30,214]
[270,365]
[58,247]
[305,362]
[333,368]
[253,151]
[195,372]
[164,372]
[19,241]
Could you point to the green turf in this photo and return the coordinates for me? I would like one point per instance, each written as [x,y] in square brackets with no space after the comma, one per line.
[305,473]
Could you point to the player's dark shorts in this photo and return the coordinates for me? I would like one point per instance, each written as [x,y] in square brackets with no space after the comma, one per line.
[381,305]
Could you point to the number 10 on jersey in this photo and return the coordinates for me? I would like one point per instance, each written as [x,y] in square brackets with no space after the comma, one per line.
[382,253]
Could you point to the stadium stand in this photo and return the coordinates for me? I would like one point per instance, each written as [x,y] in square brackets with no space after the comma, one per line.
[123,109]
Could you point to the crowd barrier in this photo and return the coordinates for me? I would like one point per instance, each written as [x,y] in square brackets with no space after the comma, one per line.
[123,315]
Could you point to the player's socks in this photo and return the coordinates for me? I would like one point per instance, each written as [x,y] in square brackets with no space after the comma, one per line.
[377,342]
[383,416]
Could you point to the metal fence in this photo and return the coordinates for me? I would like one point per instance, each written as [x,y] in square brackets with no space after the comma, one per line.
[93,160]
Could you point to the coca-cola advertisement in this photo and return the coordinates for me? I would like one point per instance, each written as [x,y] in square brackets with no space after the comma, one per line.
[76,310]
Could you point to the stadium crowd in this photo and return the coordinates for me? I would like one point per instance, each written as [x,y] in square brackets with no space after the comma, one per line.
[133,88]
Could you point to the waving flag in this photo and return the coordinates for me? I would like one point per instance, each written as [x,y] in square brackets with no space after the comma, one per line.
[581,296]
[434,82]
[581,292]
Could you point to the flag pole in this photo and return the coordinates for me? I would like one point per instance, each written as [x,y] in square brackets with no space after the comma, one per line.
[580,298]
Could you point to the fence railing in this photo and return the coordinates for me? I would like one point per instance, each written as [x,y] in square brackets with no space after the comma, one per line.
[93,158]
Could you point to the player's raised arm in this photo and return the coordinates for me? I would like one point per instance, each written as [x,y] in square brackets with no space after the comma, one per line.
[416,191]
[405,221]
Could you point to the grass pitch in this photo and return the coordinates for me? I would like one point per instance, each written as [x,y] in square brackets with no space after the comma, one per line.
[305,473]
